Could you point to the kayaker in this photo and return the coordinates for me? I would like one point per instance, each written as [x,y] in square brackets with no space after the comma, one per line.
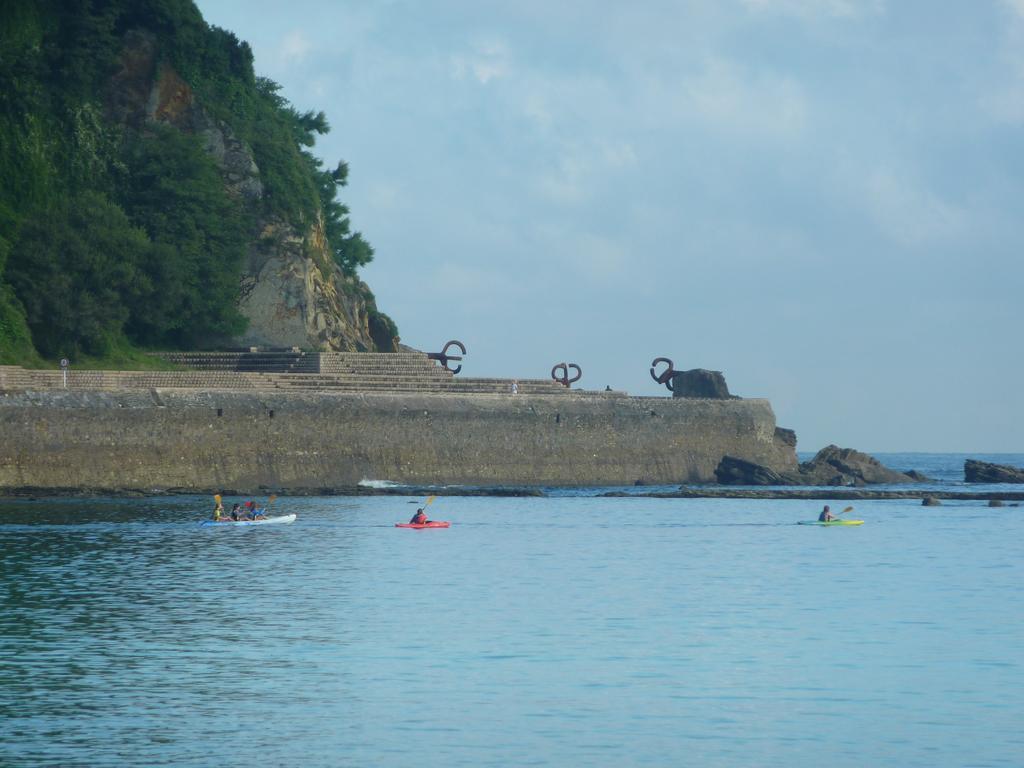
[419,518]
[250,509]
[826,516]
[218,510]
[236,511]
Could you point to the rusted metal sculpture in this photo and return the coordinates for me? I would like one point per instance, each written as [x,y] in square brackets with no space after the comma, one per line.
[443,357]
[564,379]
[665,377]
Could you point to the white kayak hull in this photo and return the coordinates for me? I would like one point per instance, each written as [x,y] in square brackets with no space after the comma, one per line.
[269,521]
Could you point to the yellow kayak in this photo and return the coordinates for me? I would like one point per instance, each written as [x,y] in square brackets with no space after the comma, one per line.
[831,522]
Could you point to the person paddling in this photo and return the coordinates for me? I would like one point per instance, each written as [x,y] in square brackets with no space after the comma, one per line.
[826,516]
[419,518]
[218,509]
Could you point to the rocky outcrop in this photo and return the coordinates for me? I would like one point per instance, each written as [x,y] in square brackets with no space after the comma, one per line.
[700,383]
[734,471]
[984,472]
[291,291]
[294,300]
[844,466]
[831,466]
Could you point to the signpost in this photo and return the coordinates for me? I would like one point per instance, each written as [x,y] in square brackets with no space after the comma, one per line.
[64,370]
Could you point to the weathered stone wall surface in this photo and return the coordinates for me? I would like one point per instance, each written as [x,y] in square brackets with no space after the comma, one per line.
[159,439]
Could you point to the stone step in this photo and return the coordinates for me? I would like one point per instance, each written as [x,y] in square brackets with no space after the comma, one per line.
[301,362]
[432,380]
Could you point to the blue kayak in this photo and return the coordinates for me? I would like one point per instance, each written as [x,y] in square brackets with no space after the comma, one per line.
[268,521]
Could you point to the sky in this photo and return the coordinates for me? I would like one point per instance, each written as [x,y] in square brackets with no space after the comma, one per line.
[823,199]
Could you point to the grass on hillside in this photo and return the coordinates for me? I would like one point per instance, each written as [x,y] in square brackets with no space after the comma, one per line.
[119,358]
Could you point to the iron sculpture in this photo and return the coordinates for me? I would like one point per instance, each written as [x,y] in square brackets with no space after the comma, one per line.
[565,379]
[443,357]
[665,377]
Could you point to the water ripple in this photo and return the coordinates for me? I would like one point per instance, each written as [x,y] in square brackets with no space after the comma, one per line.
[561,631]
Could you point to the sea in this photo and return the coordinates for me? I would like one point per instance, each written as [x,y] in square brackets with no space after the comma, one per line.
[569,629]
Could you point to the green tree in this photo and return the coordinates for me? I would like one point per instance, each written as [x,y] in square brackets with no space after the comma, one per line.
[349,249]
[74,268]
[175,193]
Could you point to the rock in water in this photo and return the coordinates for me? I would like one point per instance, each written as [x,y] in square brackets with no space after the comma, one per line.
[984,472]
[918,477]
[831,466]
[844,466]
[733,471]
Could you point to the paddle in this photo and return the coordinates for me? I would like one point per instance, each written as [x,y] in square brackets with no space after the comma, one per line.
[273,496]
[430,500]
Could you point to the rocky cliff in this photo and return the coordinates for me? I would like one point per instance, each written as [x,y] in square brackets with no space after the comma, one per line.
[291,292]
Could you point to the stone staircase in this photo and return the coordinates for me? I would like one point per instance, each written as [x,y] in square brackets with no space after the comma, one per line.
[290,371]
[245,362]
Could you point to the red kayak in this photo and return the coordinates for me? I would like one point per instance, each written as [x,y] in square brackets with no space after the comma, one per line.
[429,524]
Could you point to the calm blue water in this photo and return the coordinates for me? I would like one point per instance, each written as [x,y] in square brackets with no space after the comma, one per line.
[568,631]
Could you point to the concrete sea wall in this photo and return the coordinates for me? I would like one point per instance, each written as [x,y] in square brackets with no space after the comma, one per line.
[207,440]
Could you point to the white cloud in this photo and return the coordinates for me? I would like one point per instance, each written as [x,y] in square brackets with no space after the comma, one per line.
[811,9]
[480,290]
[742,101]
[1006,104]
[294,48]
[488,60]
[458,278]
[537,110]
[383,195]
[1017,6]
[618,154]
[1005,101]
[565,181]
[908,212]
[579,166]
[598,259]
